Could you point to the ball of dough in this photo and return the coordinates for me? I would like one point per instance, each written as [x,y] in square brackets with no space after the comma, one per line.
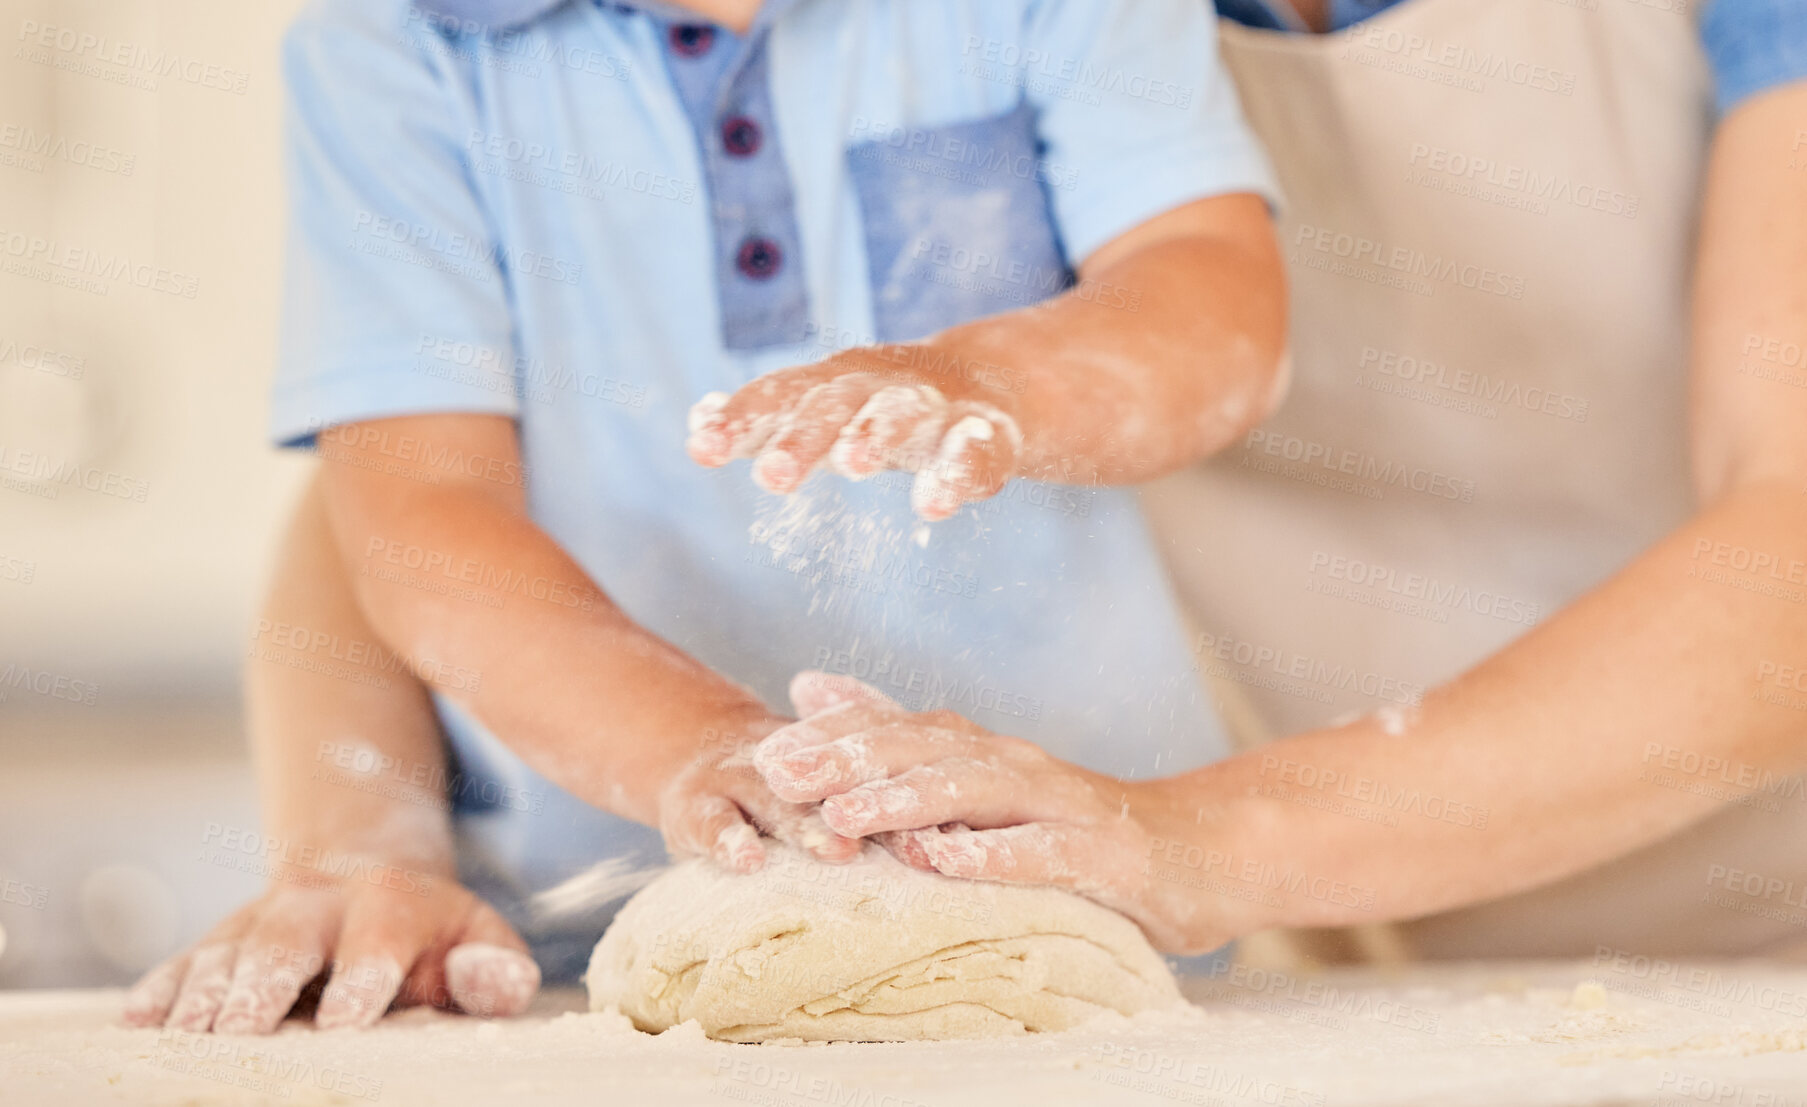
[868,951]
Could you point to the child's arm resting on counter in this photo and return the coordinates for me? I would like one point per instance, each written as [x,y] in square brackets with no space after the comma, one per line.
[350,768]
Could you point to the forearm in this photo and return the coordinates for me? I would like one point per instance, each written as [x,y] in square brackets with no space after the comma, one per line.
[1163,353]
[346,746]
[1148,364]
[457,574]
[1559,753]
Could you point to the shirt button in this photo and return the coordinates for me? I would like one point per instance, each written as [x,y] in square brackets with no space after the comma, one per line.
[759,258]
[692,40]
[741,136]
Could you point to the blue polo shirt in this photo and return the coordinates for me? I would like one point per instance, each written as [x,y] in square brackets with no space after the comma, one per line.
[585,216]
[1752,45]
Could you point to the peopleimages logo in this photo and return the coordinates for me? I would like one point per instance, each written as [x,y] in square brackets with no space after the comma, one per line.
[1439,594]
[65,262]
[1367,473]
[1545,188]
[1469,384]
[1408,262]
[28,143]
[131,63]
[1031,64]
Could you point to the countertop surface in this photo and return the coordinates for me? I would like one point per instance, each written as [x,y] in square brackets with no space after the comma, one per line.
[1613,1030]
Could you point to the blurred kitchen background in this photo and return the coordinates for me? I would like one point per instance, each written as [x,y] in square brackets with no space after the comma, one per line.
[138,142]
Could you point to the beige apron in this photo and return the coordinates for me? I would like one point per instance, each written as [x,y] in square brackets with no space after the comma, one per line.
[1490,209]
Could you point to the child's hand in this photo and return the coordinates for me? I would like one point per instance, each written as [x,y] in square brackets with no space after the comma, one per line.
[887,407]
[717,807]
[428,940]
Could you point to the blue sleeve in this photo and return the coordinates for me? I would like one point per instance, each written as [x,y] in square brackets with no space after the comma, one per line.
[394,300]
[1136,111]
[1754,45]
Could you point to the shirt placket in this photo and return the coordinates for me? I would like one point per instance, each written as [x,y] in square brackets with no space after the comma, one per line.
[722,80]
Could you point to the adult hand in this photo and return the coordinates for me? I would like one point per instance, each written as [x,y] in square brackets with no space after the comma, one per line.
[944,794]
[717,806]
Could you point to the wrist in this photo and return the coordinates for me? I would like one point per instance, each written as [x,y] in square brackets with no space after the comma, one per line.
[974,362]
[703,740]
[1205,848]
[734,732]
[404,849]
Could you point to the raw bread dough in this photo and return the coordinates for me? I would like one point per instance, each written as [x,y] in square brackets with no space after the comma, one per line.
[868,951]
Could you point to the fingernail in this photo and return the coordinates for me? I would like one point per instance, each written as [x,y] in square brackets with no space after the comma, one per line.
[709,446]
[704,411]
[776,471]
[738,847]
[490,980]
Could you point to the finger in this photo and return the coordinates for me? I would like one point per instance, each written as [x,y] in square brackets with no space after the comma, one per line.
[816,772]
[815,423]
[705,443]
[1030,853]
[882,432]
[148,1003]
[827,725]
[812,691]
[797,824]
[490,972]
[980,793]
[979,452]
[491,981]
[383,938]
[203,988]
[152,999]
[902,844]
[715,827]
[285,948]
[724,429]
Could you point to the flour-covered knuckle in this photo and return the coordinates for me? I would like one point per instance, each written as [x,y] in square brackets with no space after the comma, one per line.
[884,431]
[1032,853]
[203,988]
[282,950]
[698,822]
[796,824]
[266,981]
[977,454]
[928,795]
[771,756]
[149,1001]
[360,989]
[813,691]
[872,951]
[813,426]
[816,772]
[723,430]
